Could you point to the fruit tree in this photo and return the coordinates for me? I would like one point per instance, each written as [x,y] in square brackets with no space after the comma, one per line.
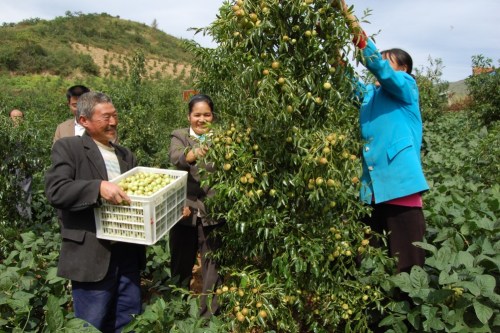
[286,147]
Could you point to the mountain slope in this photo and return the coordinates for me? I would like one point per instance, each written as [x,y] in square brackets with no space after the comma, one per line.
[458,87]
[457,91]
[95,44]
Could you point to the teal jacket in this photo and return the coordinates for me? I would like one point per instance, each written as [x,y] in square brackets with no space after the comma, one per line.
[391,129]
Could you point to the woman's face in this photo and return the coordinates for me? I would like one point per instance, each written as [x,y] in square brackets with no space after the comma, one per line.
[200,116]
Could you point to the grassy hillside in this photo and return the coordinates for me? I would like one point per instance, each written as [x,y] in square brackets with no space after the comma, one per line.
[96,44]
[458,87]
[457,92]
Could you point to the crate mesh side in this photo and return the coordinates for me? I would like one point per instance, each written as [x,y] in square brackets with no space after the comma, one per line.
[123,221]
[144,221]
[169,212]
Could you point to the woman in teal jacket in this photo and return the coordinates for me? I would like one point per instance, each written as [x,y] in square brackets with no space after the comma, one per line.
[391,130]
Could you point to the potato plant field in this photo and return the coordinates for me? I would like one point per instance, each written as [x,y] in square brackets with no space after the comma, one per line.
[286,145]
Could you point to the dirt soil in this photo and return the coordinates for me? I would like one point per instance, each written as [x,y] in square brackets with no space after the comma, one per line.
[105,59]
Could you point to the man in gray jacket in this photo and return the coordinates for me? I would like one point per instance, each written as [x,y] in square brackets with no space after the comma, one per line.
[71,127]
[105,275]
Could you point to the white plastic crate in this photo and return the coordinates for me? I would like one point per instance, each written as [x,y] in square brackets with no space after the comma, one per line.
[148,218]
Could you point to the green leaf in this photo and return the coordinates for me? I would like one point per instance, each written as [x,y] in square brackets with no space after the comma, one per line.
[12,257]
[487,248]
[8,279]
[52,276]
[496,321]
[54,316]
[481,258]
[472,287]
[419,278]
[415,319]
[436,324]
[486,284]
[3,298]
[19,305]
[402,281]
[433,323]
[22,296]
[194,307]
[420,295]
[485,223]
[27,282]
[483,312]
[29,237]
[149,315]
[439,296]
[445,278]
[391,320]
[78,325]
[444,258]
[400,327]
[466,259]
[426,246]
[453,316]
[243,281]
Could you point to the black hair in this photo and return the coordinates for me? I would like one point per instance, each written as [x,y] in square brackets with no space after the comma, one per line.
[76,91]
[401,57]
[200,98]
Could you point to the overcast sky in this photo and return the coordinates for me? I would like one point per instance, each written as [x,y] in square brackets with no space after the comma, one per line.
[452,30]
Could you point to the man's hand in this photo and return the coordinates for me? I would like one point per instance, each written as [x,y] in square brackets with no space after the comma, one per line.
[113,193]
[186,211]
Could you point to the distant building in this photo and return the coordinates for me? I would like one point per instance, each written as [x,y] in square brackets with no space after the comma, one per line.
[186,94]
[481,70]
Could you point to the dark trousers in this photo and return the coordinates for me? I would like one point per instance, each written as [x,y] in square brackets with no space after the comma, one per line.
[110,303]
[405,225]
[185,242]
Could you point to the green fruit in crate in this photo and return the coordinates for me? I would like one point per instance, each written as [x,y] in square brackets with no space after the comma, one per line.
[145,184]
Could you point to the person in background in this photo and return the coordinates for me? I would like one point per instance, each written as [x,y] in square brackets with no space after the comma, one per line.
[71,127]
[105,275]
[17,116]
[391,128]
[24,181]
[193,234]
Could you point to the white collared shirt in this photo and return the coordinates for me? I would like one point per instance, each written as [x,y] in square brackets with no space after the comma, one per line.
[193,134]
[79,129]
[202,138]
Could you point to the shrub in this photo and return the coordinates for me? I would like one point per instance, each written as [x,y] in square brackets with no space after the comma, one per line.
[457,291]
[87,64]
[432,89]
[20,156]
[485,90]
[286,150]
